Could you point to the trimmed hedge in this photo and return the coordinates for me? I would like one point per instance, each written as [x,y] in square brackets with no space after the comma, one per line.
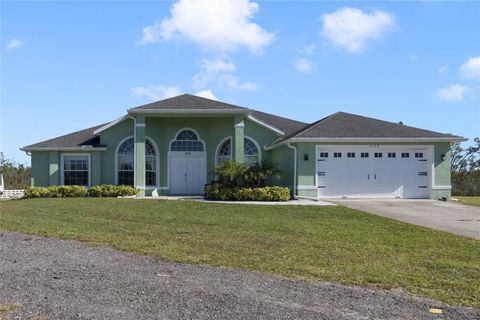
[79,191]
[109,190]
[220,192]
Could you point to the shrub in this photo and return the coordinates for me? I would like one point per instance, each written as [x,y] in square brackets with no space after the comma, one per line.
[109,190]
[220,192]
[66,191]
[36,192]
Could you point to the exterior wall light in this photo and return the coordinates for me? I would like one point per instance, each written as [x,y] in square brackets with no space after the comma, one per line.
[305,157]
[443,156]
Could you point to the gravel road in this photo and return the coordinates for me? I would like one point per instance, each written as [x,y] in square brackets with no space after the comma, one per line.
[56,279]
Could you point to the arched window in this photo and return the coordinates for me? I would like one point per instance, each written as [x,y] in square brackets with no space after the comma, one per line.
[224,151]
[251,152]
[186,140]
[126,167]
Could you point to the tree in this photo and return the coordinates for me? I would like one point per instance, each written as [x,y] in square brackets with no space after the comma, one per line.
[15,175]
[465,169]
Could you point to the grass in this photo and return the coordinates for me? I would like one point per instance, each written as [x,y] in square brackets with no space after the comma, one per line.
[469,201]
[304,242]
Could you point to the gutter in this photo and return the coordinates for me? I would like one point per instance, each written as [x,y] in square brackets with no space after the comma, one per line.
[366,140]
[294,169]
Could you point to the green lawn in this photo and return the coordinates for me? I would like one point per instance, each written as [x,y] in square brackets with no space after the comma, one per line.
[317,243]
[469,201]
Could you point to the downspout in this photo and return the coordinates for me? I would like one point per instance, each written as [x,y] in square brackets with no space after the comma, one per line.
[294,169]
[134,150]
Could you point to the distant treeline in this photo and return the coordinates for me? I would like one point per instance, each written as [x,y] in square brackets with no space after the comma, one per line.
[466,169]
[15,175]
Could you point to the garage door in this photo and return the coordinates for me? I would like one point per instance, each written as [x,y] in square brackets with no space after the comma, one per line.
[373,171]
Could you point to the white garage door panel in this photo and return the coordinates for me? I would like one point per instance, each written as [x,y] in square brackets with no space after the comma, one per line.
[371,177]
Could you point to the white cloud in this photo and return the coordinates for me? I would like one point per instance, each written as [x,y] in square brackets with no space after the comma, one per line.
[470,69]
[14,43]
[220,25]
[304,65]
[351,29]
[218,71]
[443,70]
[308,49]
[159,92]
[232,82]
[206,94]
[453,93]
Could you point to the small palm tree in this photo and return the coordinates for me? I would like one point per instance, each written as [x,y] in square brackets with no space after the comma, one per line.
[257,175]
[230,173]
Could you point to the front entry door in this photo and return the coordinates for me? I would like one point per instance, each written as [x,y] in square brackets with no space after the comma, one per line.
[188,172]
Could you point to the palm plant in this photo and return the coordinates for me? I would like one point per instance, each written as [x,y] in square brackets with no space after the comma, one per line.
[230,173]
[257,175]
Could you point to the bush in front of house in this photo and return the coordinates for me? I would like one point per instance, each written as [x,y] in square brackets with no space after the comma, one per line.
[79,191]
[66,191]
[36,192]
[110,190]
[227,193]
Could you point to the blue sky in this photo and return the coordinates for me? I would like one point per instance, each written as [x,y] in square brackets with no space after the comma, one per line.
[66,66]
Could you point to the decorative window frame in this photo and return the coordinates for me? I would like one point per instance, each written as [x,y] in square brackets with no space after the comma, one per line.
[62,158]
[175,139]
[157,161]
[258,148]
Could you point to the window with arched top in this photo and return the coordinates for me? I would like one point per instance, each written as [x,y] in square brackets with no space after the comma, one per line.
[251,152]
[126,163]
[186,140]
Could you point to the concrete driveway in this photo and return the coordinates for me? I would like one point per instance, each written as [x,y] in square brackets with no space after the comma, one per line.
[446,216]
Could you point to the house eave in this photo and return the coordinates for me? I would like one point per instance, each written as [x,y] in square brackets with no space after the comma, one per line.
[187,111]
[80,149]
[366,140]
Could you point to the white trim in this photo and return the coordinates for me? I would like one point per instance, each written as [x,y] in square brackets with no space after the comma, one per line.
[175,139]
[367,140]
[441,187]
[294,169]
[218,148]
[266,125]
[110,124]
[239,125]
[140,125]
[305,187]
[88,155]
[258,147]
[189,111]
[157,162]
[85,148]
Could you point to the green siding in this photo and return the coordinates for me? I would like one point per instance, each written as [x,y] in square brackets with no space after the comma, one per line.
[54,169]
[96,167]
[41,168]
[283,157]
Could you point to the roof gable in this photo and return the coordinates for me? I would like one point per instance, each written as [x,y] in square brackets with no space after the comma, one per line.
[188,102]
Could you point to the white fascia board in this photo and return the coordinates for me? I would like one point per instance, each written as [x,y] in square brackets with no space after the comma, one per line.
[83,149]
[188,111]
[366,140]
[266,125]
[110,124]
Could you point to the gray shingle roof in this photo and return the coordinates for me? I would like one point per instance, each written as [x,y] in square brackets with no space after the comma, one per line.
[347,125]
[77,139]
[338,125]
[188,102]
[288,126]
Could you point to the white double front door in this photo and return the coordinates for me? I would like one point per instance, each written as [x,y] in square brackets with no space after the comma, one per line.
[188,172]
[374,171]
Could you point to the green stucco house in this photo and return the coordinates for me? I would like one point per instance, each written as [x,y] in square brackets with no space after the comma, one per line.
[170,147]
